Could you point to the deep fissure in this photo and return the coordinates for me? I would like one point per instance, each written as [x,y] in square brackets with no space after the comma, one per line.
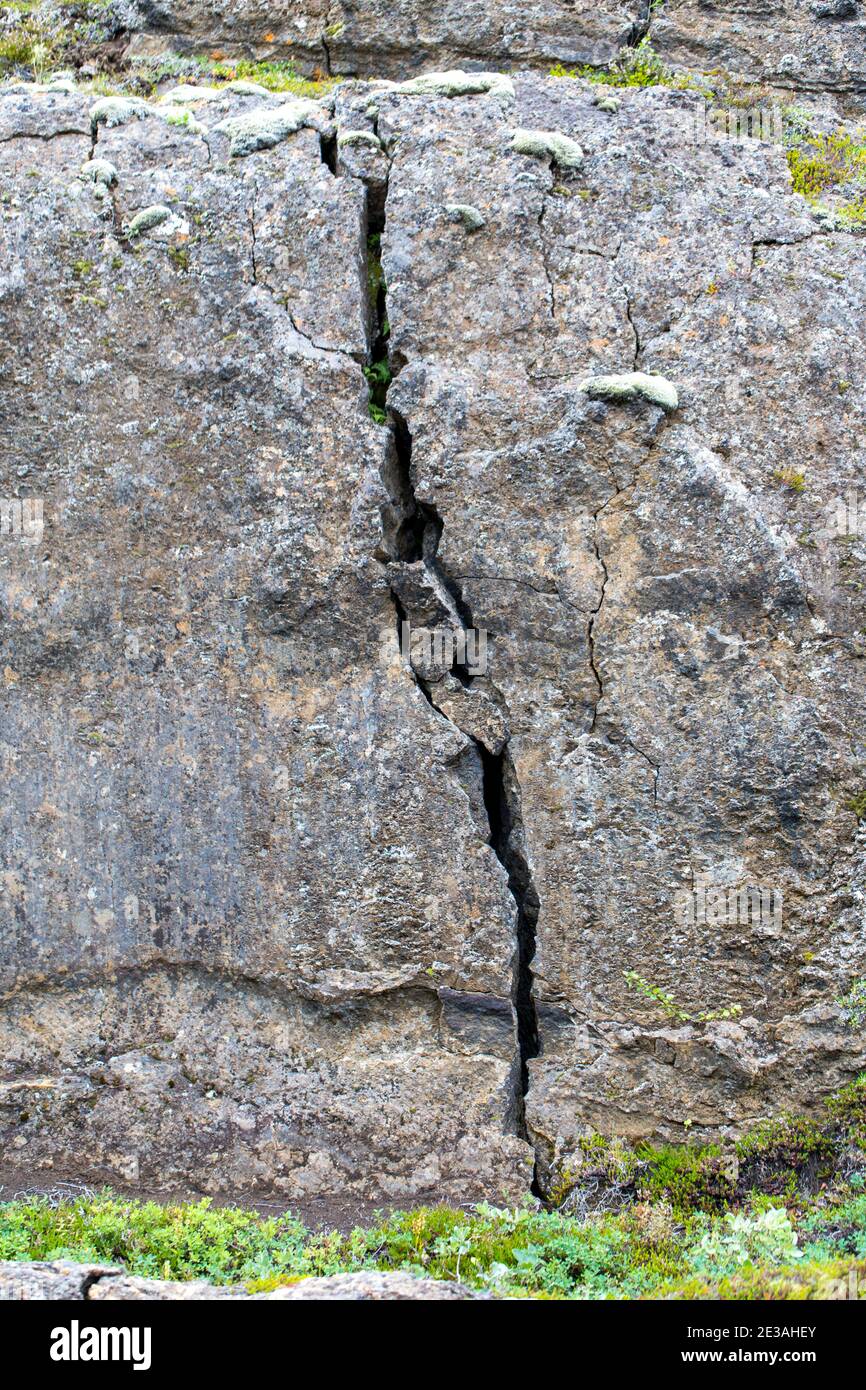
[415,536]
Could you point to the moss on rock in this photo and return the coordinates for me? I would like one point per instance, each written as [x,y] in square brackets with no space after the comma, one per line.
[548,144]
[266,127]
[627,386]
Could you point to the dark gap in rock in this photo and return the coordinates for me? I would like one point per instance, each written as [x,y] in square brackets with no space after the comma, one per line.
[413,532]
[502,801]
[328,151]
[378,369]
[641,26]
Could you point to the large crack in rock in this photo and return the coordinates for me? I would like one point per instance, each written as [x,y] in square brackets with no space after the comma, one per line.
[284,910]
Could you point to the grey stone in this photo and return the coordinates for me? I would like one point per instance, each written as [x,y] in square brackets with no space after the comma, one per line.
[285,910]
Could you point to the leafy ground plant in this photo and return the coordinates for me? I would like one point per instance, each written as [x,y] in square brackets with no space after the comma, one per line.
[685,1227]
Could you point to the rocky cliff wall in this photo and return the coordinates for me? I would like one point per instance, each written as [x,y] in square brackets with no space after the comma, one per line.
[286,908]
[803,45]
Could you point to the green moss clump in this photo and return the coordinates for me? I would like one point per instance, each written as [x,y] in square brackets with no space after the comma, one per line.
[639,66]
[824,161]
[274,77]
[821,1280]
[847,1112]
[689,1177]
[857,804]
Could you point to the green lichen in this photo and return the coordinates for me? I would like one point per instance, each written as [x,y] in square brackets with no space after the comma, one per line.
[610,104]
[114,111]
[548,144]
[464,213]
[857,804]
[100,171]
[182,117]
[148,218]
[457,83]
[266,127]
[629,385]
[359,137]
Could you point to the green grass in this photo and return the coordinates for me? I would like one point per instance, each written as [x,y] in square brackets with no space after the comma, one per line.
[640,66]
[781,1215]
[276,76]
[522,1252]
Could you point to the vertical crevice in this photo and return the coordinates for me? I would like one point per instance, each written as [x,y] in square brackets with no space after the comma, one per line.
[413,532]
[328,151]
[641,26]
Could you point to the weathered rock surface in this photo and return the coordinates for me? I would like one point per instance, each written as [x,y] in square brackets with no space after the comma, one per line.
[801,45]
[804,45]
[65,1280]
[271,896]
[390,38]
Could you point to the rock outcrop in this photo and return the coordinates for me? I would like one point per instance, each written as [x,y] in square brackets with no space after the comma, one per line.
[802,45]
[799,45]
[393,38]
[288,908]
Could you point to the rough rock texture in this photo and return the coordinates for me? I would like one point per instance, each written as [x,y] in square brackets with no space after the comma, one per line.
[272,891]
[804,45]
[801,45]
[64,1280]
[253,934]
[390,38]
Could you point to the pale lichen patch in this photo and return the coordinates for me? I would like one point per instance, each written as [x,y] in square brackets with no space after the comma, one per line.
[629,385]
[266,127]
[112,111]
[457,83]
[548,144]
[464,213]
[160,220]
[99,171]
[359,137]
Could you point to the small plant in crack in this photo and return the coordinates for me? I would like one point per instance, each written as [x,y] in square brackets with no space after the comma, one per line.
[378,369]
[669,1005]
[853,1005]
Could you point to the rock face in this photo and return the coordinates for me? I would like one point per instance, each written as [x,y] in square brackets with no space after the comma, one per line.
[805,45]
[390,38]
[288,909]
[802,45]
[65,1281]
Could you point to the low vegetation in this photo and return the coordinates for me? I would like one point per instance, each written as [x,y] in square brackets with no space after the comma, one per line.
[832,164]
[781,1215]
[638,66]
